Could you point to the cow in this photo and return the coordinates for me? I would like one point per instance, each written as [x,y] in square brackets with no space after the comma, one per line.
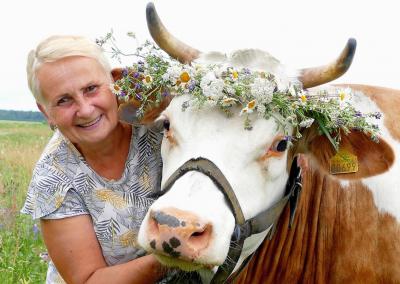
[341,228]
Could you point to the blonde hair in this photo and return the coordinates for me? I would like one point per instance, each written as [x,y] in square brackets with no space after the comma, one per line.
[58,47]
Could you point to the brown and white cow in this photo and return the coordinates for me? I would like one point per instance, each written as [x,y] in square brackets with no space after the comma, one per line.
[346,229]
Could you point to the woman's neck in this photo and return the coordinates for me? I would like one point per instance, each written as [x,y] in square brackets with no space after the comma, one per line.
[108,157]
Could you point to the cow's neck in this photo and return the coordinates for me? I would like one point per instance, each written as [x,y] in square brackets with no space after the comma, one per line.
[338,237]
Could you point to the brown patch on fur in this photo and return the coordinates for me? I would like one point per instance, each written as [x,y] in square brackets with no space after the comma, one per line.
[373,158]
[338,236]
[388,100]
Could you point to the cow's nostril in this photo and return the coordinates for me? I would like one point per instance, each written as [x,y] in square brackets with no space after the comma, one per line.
[197,234]
[199,239]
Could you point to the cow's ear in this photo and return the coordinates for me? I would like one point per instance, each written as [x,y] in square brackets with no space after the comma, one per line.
[116,74]
[373,158]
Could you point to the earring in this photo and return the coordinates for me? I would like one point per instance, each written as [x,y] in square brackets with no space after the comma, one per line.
[52,126]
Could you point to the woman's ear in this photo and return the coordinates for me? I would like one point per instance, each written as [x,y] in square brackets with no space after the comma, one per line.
[43,110]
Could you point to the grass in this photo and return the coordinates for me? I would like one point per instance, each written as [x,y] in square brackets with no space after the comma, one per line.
[21,144]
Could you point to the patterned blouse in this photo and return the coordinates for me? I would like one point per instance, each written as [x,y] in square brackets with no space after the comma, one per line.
[64,185]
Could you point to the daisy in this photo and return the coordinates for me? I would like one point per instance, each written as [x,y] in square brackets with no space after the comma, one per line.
[115,89]
[249,108]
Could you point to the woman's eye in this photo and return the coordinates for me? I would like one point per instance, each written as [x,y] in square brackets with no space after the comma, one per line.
[280,145]
[166,124]
[91,88]
[63,101]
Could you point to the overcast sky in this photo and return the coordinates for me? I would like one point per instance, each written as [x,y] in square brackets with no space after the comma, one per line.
[298,33]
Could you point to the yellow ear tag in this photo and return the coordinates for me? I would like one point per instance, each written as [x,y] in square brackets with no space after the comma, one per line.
[343,162]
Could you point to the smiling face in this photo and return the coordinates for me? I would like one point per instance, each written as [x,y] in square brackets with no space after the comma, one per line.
[78,100]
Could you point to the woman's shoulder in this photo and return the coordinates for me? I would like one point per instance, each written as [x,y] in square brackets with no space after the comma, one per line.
[52,178]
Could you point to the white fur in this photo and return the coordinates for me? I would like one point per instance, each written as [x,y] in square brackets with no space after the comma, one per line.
[386,186]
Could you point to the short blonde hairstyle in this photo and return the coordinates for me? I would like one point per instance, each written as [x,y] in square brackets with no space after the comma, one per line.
[58,47]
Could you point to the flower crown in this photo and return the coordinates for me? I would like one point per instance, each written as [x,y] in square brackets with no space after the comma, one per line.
[156,76]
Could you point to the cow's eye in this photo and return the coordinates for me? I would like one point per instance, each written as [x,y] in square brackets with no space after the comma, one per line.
[280,145]
[166,124]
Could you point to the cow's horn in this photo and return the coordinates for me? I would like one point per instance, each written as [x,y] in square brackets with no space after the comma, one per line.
[170,44]
[311,77]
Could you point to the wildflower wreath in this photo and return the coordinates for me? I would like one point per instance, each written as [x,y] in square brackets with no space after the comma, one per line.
[155,75]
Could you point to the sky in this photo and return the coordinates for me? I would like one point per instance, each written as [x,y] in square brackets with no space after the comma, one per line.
[299,33]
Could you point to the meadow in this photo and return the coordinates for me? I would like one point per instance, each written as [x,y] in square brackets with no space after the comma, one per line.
[21,144]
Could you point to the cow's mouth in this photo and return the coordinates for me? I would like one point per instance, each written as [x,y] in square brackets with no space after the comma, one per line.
[184,265]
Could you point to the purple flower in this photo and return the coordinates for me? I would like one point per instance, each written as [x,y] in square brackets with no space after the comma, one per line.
[288,138]
[358,114]
[123,94]
[246,71]
[139,96]
[136,75]
[192,86]
[165,94]
[378,115]
[125,72]
[35,230]
[137,86]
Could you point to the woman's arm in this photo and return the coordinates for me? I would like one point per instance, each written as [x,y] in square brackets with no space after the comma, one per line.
[76,253]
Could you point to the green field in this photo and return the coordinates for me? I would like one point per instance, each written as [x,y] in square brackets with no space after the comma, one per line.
[21,144]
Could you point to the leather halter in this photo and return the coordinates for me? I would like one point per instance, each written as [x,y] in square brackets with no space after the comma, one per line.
[243,228]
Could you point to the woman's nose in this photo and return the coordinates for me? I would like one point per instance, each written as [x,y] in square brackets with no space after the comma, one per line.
[85,108]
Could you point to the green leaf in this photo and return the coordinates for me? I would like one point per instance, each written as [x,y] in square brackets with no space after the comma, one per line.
[327,134]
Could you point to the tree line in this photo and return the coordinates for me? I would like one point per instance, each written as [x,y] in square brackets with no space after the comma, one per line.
[19,115]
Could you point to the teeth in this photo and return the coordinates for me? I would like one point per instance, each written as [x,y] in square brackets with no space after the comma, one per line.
[90,123]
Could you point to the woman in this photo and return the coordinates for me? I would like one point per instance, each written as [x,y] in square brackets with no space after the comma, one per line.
[92,184]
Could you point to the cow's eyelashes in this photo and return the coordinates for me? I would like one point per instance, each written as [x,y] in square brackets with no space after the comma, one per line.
[166,124]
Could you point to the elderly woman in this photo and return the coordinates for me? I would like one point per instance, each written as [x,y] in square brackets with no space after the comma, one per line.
[97,176]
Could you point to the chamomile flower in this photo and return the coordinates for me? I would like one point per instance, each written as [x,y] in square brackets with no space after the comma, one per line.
[303,98]
[249,107]
[115,89]
[184,77]
[344,95]
[147,79]
[234,74]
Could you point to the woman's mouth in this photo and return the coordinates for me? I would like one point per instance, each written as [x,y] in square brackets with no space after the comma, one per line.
[91,123]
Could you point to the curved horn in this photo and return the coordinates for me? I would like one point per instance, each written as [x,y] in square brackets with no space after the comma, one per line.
[171,45]
[311,77]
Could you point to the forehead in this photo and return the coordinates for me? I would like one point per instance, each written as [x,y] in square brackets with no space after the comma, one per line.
[211,124]
[69,73]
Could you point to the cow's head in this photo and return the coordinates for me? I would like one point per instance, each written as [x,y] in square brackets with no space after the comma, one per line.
[191,225]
